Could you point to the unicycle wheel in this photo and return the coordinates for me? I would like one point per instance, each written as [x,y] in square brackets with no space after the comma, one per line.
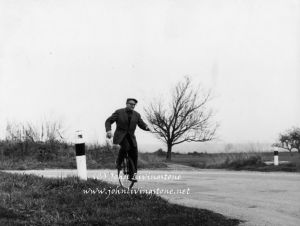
[123,173]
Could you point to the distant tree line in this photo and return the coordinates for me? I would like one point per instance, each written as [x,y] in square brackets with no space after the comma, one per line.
[25,139]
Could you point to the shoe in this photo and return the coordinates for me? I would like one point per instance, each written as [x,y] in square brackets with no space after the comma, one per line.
[132,179]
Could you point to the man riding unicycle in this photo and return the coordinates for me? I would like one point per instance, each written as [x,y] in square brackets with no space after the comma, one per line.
[126,120]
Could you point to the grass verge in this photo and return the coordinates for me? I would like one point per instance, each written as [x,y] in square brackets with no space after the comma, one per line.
[253,161]
[32,200]
[95,159]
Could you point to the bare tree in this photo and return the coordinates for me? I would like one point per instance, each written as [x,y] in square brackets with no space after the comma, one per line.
[185,119]
[289,140]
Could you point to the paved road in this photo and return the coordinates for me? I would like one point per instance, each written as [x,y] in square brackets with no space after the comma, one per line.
[255,197]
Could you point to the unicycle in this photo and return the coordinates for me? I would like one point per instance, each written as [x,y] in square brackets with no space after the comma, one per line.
[123,171]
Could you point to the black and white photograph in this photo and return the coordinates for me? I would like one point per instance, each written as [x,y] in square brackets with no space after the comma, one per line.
[150,112]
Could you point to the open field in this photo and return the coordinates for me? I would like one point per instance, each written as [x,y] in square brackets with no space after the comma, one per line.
[253,161]
[236,161]
[32,200]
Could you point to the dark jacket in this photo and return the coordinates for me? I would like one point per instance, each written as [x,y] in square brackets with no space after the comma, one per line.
[121,118]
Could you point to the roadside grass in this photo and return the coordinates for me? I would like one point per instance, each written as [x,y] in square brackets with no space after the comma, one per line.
[256,162]
[242,162]
[32,200]
[104,161]
[27,156]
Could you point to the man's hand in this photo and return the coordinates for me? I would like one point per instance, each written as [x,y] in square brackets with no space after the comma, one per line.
[109,134]
[148,129]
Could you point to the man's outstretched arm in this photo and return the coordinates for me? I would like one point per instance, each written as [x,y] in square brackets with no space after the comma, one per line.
[142,124]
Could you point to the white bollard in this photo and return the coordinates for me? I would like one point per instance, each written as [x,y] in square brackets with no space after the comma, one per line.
[80,156]
[276,161]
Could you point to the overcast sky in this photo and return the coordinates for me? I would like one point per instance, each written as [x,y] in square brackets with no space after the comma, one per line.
[78,61]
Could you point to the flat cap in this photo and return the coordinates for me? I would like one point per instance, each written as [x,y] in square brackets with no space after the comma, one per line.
[129,99]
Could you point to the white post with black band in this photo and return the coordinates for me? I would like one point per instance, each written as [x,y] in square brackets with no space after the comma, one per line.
[80,155]
[276,161]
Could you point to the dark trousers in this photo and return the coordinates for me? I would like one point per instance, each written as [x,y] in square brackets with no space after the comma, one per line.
[127,145]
